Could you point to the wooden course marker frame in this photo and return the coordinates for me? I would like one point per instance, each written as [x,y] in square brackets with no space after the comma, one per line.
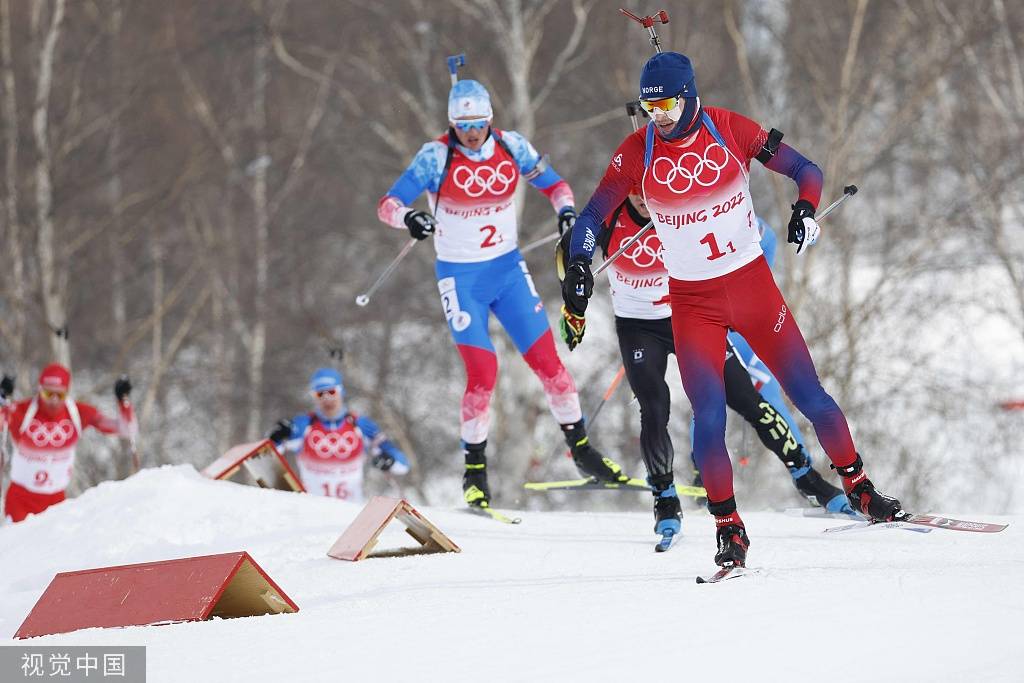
[188,589]
[360,538]
[255,464]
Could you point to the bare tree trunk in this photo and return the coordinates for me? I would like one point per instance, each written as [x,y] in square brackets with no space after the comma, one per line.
[118,297]
[17,284]
[258,168]
[53,296]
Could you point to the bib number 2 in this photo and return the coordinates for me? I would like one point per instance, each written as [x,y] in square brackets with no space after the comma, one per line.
[490,231]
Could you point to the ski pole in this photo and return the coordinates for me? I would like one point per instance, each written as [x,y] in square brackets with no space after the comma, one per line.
[848,192]
[632,108]
[3,444]
[626,245]
[539,242]
[453,62]
[607,395]
[364,299]
[3,464]
[589,421]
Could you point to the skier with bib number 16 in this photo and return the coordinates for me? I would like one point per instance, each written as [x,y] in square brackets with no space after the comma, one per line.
[692,164]
[332,442]
[471,173]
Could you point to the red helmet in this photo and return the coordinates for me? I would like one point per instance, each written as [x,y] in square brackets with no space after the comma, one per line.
[55,377]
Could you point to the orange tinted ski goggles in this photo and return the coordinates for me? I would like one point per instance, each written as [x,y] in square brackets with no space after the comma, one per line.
[666,104]
[48,394]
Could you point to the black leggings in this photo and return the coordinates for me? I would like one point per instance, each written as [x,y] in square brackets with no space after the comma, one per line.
[645,346]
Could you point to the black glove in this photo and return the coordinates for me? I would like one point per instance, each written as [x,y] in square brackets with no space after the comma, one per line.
[382,461]
[797,230]
[281,431]
[577,286]
[566,219]
[421,224]
[6,386]
[122,388]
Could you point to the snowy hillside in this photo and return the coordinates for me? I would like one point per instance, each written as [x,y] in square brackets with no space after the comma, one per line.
[563,596]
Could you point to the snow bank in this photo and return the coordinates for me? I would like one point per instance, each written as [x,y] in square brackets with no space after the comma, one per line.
[563,596]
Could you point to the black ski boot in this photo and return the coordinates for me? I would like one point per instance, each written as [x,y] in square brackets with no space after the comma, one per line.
[819,492]
[732,546]
[588,459]
[731,534]
[474,481]
[668,516]
[863,495]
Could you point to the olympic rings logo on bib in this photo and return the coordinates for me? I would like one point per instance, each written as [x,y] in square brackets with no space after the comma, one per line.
[328,445]
[53,435]
[642,254]
[706,170]
[485,179]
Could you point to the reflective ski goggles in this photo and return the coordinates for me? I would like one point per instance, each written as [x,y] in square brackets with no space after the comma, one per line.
[323,393]
[665,104]
[48,394]
[471,124]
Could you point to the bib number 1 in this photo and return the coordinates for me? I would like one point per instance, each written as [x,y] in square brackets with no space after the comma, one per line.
[712,245]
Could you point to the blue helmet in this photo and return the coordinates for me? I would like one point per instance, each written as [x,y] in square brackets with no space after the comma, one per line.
[469,99]
[326,378]
[668,74]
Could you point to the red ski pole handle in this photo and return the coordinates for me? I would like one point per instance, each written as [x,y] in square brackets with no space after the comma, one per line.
[648,21]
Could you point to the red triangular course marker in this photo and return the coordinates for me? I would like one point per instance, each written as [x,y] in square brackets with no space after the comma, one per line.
[255,464]
[189,589]
[359,539]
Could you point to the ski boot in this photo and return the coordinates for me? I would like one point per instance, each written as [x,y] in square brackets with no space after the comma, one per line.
[863,495]
[588,459]
[667,513]
[474,480]
[819,492]
[730,533]
[812,486]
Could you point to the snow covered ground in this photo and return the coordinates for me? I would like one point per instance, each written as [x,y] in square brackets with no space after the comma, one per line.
[563,596]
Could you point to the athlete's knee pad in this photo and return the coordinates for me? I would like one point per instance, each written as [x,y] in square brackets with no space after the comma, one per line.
[481,368]
[544,361]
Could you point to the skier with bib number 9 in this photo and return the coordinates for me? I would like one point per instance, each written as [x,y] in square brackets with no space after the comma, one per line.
[692,163]
[44,432]
[470,174]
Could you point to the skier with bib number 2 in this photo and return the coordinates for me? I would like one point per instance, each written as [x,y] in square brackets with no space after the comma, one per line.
[470,174]
[692,163]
